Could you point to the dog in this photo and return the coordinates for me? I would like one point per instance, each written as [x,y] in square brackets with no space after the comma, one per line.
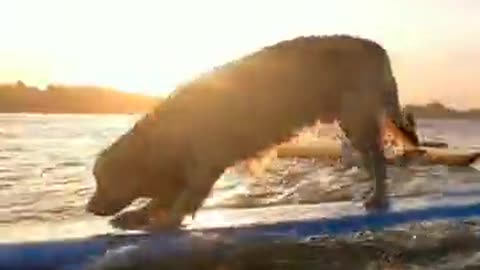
[175,154]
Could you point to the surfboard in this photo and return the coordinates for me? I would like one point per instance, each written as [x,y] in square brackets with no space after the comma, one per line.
[330,149]
[292,223]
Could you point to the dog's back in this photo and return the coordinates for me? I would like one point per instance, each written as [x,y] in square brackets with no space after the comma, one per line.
[177,152]
[245,106]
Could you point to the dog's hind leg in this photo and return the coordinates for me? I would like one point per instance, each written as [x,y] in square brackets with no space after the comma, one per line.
[361,123]
[391,102]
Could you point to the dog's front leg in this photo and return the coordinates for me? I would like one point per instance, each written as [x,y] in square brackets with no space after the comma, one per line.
[200,179]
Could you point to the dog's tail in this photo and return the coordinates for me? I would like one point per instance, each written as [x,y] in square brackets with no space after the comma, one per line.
[409,128]
[400,136]
[401,123]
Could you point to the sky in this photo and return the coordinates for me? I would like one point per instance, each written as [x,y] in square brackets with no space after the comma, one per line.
[150,46]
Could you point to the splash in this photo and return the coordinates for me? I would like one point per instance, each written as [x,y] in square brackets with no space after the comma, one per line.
[257,167]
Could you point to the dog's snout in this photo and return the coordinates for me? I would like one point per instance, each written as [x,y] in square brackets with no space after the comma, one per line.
[95,207]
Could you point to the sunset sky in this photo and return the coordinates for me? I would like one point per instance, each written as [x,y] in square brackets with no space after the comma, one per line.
[150,46]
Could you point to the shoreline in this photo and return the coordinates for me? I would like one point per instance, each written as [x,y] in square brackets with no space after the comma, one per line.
[100,113]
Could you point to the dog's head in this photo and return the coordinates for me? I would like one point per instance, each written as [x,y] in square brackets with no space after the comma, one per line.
[136,165]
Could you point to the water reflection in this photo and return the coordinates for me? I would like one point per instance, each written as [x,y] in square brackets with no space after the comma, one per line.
[46,160]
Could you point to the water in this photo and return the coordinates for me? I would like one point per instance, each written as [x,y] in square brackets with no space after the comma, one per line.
[46,160]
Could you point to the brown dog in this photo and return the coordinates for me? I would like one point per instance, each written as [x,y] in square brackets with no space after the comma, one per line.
[176,153]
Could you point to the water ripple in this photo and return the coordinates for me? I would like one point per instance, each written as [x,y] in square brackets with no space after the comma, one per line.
[45,169]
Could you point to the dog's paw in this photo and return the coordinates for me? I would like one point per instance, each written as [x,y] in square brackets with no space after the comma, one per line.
[376,203]
[154,227]
[161,221]
[130,220]
[145,221]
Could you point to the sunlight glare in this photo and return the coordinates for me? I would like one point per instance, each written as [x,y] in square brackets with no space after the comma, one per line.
[151,46]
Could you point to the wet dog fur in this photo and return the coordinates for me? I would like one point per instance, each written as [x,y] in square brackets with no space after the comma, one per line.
[175,154]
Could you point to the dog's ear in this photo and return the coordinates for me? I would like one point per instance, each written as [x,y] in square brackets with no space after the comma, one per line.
[400,135]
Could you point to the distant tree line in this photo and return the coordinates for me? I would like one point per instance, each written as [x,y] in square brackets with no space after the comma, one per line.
[438,110]
[19,98]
